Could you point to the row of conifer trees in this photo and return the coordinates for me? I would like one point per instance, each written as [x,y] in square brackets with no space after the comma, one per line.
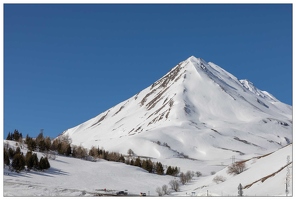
[62,145]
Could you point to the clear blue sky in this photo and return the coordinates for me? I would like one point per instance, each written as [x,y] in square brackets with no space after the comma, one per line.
[64,64]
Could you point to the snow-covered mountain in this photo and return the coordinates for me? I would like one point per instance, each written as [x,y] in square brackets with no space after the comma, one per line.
[197,111]
[197,117]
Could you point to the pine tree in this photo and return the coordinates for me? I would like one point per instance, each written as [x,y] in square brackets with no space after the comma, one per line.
[31,143]
[159,168]
[138,162]
[18,162]
[68,150]
[54,145]
[29,160]
[35,161]
[46,163]
[41,145]
[121,159]
[27,139]
[105,155]
[144,165]
[39,138]
[147,165]
[6,158]
[16,135]
[47,142]
[11,152]
[60,148]
[175,171]
[9,136]
[42,164]
[18,150]
[169,171]
[130,152]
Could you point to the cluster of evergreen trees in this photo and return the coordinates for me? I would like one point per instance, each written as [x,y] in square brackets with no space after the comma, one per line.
[43,144]
[62,145]
[39,143]
[146,164]
[172,171]
[16,136]
[152,167]
[106,155]
[19,161]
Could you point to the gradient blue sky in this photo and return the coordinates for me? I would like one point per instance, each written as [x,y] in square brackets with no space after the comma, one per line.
[64,64]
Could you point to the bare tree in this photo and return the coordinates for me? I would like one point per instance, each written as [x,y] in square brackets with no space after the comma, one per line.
[219,179]
[183,178]
[236,168]
[159,191]
[79,152]
[188,176]
[165,190]
[174,185]
[65,138]
[93,152]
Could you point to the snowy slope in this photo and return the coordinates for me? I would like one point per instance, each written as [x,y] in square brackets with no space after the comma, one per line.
[264,176]
[69,176]
[75,177]
[202,113]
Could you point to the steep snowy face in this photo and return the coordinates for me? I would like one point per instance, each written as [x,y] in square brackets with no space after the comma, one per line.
[250,86]
[197,108]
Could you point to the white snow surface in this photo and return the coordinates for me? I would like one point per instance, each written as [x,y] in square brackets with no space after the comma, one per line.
[198,117]
[70,177]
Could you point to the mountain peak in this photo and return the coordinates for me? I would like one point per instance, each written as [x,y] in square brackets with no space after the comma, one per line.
[196,60]
[193,108]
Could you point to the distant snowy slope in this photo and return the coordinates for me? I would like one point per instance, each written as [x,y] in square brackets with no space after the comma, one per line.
[199,111]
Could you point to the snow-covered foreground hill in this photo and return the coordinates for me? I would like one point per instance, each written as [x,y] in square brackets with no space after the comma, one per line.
[75,177]
[69,176]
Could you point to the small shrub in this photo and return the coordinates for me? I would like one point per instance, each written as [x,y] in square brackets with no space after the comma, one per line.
[219,179]
[236,168]
[159,191]
[198,174]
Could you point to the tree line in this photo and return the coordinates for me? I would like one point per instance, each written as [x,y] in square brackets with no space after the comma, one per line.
[62,146]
